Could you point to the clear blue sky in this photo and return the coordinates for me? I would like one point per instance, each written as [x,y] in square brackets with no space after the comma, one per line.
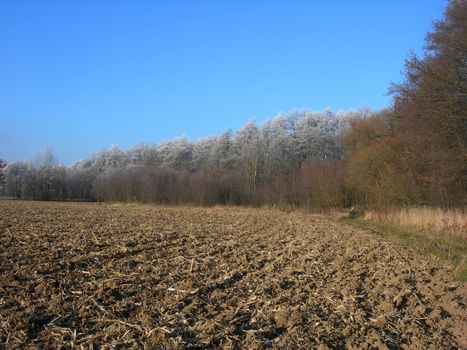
[79,76]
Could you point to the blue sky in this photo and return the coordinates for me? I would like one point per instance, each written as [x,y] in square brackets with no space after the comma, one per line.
[79,76]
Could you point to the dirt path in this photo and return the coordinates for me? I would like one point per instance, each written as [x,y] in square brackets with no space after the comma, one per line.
[102,276]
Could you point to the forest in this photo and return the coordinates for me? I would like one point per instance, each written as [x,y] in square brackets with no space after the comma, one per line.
[412,153]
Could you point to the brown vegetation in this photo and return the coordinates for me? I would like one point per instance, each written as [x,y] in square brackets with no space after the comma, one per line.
[414,153]
[443,221]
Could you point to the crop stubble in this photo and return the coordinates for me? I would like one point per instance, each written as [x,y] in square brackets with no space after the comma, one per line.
[76,275]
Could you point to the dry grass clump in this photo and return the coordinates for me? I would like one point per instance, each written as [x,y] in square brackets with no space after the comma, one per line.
[453,220]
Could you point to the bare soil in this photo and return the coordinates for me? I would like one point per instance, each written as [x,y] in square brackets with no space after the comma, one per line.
[90,276]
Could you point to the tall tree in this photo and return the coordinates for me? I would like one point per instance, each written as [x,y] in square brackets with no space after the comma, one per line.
[430,108]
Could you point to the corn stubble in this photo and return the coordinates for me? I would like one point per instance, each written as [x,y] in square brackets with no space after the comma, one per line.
[90,276]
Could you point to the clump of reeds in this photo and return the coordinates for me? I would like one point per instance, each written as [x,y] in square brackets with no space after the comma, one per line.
[453,220]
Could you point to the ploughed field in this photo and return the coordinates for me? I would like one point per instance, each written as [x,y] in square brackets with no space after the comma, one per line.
[90,276]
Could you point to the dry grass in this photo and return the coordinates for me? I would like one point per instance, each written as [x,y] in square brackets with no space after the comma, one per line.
[425,218]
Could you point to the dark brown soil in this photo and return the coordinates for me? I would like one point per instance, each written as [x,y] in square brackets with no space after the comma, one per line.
[92,276]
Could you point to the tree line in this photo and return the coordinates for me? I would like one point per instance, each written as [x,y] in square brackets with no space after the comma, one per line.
[412,153]
[294,159]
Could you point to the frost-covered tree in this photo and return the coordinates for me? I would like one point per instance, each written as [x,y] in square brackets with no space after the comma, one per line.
[223,154]
[248,150]
[271,163]
[202,156]
[3,165]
